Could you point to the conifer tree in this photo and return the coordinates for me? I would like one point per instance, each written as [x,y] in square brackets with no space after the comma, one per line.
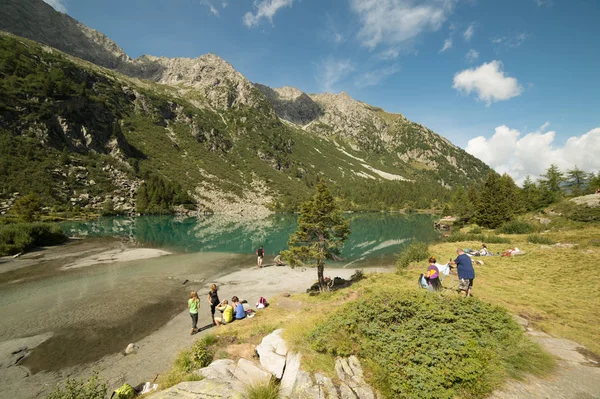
[321,233]
[550,185]
[496,201]
[576,179]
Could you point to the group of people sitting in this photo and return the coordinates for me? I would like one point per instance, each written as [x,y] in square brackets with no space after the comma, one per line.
[229,312]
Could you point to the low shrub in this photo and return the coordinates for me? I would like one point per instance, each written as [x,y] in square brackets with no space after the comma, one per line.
[263,391]
[417,345]
[415,252]
[516,227]
[198,356]
[539,239]
[476,230]
[491,239]
[578,213]
[93,388]
[17,237]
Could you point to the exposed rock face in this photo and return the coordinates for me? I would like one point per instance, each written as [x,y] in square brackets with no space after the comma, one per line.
[36,20]
[292,104]
[211,77]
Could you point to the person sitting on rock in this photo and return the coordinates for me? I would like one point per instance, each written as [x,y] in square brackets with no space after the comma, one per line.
[226,313]
[240,312]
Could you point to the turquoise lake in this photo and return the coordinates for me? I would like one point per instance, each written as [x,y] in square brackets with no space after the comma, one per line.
[374,235]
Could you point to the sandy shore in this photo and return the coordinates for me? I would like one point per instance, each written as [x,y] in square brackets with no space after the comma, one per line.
[234,274]
[117,255]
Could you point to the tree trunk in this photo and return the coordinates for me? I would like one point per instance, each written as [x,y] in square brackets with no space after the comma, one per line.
[320,269]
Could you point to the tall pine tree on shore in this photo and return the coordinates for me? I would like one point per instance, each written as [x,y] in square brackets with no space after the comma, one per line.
[498,201]
[321,233]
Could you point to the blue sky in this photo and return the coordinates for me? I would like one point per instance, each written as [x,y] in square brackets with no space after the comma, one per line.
[515,82]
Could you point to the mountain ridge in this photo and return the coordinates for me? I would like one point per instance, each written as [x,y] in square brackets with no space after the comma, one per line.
[200,123]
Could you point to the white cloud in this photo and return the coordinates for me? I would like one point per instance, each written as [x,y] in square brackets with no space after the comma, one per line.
[541,3]
[472,55]
[447,45]
[489,82]
[397,22]
[373,78]
[510,41]
[212,7]
[469,32]
[58,5]
[265,9]
[508,151]
[332,71]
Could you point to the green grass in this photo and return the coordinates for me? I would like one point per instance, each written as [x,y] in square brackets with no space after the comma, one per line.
[416,251]
[198,356]
[539,239]
[516,227]
[91,388]
[416,344]
[481,238]
[262,391]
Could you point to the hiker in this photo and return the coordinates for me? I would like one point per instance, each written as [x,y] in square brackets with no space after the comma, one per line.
[238,308]
[466,273]
[213,300]
[194,304]
[432,276]
[226,313]
[278,261]
[260,253]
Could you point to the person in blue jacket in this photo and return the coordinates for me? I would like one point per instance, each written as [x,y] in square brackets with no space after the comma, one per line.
[466,273]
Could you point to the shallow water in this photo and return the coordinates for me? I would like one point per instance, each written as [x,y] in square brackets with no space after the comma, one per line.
[374,235]
[98,310]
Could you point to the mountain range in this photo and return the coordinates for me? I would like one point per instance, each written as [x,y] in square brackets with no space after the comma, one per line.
[83,124]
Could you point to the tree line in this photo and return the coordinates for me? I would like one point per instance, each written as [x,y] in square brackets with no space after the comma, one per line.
[499,199]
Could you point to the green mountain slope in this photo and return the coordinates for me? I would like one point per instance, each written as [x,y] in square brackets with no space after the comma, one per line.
[81,135]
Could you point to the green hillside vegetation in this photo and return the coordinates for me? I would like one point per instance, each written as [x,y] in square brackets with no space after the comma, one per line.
[64,120]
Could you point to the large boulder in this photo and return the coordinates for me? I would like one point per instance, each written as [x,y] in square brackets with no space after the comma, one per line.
[272,351]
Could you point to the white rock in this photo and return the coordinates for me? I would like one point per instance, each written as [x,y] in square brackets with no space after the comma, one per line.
[250,373]
[131,348]
[327,386]
[269,358]
[292,367]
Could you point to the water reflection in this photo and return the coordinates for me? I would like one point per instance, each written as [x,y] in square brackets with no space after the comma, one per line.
[373,235]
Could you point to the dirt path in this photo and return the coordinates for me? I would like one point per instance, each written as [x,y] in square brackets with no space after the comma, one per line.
[577,375]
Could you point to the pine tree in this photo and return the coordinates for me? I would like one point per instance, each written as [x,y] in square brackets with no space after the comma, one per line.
[550,185]
[27,208]
[321,233]
[576,179]
[496,201]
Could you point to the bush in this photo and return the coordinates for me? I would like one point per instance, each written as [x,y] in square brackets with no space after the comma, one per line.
[476,230]
[267,391]
[516,227]
[198,356]
[415,252]
[80,389]
[539,239]
[17,237]
[491,239]
[418,345]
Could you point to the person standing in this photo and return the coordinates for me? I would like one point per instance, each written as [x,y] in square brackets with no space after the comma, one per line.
[213,300]
[466,273]
[193,305]
[260,253]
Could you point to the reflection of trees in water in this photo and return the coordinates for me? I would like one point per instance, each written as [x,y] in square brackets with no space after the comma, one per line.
[372,235]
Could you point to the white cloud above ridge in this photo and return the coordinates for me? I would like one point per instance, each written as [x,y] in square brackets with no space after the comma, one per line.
[509,151]
[469,32]
[332,71]
[472,55]
[58,5]
[510,41]
[374,77]
[489,82]
[447,45]
[265,9]
[398,22]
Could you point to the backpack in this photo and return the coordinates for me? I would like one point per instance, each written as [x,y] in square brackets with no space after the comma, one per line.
[262,303]
[126,391]
[422,281]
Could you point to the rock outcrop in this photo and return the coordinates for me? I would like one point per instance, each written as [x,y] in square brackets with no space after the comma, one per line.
[225,378]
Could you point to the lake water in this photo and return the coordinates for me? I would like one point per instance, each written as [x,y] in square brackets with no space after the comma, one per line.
[97,310]
[375,236]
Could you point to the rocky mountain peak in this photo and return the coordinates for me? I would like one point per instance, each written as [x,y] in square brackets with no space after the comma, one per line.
[36,20]
[291,104]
